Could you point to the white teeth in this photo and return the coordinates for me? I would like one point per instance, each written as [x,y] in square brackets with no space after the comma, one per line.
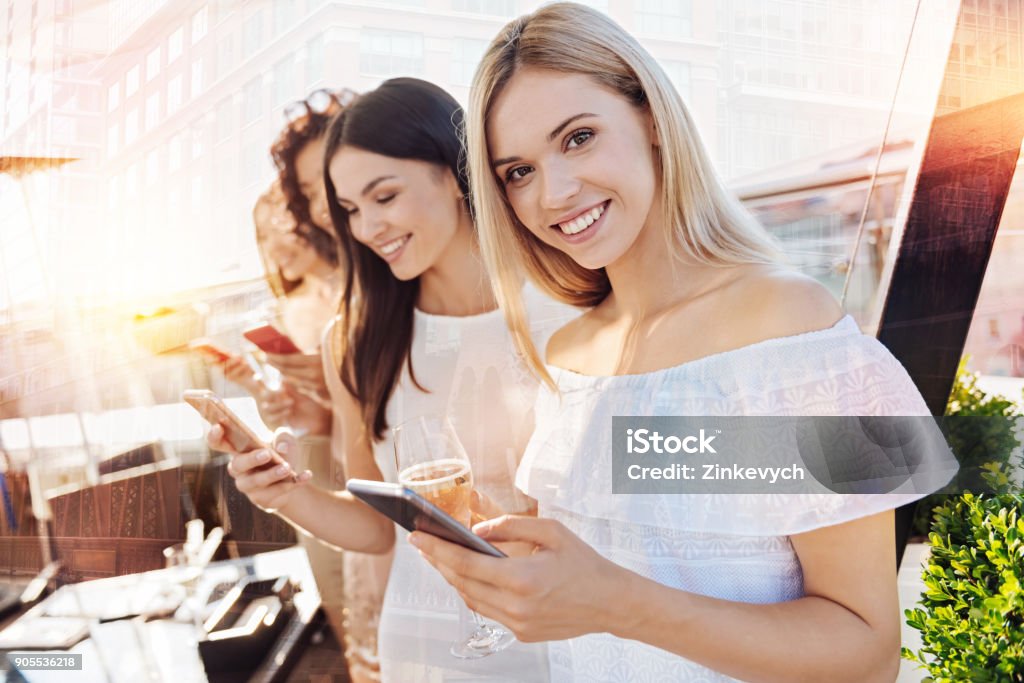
[393,246]
[581,223]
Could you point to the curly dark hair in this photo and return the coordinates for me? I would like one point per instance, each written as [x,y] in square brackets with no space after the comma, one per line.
[298,133]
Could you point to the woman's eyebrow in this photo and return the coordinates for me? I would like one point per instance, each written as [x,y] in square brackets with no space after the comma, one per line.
[551,136]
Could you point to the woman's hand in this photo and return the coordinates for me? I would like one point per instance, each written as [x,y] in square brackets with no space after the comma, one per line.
[304,371]
[560,588]
[288,407]
[237,370]
[265,475]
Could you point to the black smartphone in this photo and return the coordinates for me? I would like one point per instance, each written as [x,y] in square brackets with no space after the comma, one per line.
[415,513]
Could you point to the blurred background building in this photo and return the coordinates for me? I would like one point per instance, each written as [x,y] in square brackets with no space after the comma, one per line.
[110,264]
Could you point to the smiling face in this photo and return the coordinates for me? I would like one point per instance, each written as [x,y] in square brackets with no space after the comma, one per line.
[576,161]
[407,211]
[309,174]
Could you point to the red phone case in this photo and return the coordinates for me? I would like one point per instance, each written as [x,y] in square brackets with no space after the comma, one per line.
[268,338]
[209,350]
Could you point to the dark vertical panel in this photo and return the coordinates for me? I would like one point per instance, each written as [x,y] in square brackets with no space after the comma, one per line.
[955,211]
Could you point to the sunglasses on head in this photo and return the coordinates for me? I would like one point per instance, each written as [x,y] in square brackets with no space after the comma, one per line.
[320,101]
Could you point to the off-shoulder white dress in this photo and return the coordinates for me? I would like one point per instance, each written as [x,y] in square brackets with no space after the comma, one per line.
[733,547]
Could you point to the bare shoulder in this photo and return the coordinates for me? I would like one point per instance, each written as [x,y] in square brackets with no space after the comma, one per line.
[776,302]
[566,342]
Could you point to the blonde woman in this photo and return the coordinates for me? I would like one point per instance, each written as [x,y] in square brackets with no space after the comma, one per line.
[588,175]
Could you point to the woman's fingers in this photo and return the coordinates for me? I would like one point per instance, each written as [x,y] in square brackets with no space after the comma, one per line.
[259,480]
[519,528]
[245,462]
[270,497]
[455,559]
[303,370]
[215,439]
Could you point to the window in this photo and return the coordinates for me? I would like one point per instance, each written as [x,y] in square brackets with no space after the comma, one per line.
[466,54]
[113,96]
[252,35]
[153,63]
[225,124]
[387,53]
[62,35]
[283,85]
[174,44]
[199,25]
[285,12]
[227,53]
[174,152]
[315,60]
[174,94]
[131,180]
[197,78]
[253,165]
[113,139]
[197,194]
[152,166]
[504,8]
[113,193]
[131,126]
[152,111]
[679,74]
[252,95]
[666,18]
[131,81]
[197,143]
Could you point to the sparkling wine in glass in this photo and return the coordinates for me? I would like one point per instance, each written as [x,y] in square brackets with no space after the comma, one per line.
[432,462]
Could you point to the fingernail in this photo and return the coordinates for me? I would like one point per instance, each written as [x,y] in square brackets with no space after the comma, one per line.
[414,540]
[281,469]
[283,447]
[262,456]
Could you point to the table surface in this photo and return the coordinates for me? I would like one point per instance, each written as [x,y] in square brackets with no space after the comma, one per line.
[166,649]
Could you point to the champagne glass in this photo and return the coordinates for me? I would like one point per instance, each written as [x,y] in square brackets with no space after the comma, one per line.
[432,462]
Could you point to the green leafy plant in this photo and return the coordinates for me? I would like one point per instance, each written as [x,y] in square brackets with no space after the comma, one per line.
[980,444]
[971,617]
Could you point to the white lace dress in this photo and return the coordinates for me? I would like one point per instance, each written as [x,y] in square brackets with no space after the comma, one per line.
[472,373]
[733,547]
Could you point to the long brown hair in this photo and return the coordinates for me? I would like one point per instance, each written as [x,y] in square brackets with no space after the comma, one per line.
[405,118]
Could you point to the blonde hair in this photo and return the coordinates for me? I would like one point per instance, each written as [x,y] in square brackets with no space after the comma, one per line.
[703,221]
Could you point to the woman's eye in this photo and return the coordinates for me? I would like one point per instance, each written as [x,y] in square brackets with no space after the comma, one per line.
[385,200]
[579,137]
[517,173]
[351,212]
